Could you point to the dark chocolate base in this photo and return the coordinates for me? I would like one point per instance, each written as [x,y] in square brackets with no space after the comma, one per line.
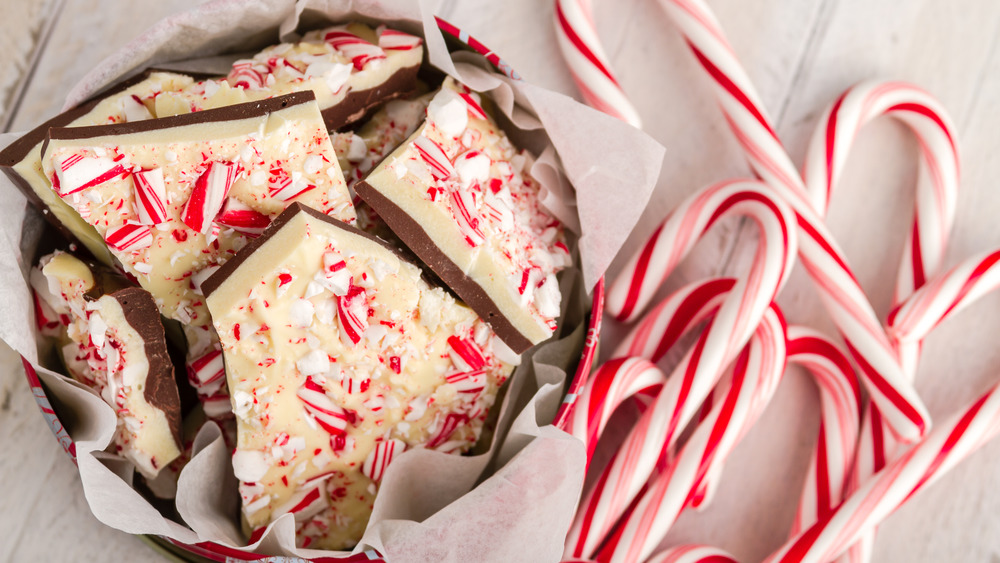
[357,104]
[225,113]
[161,388]
[417,239]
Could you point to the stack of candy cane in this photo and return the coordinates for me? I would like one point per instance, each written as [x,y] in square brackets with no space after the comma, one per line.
[871,456]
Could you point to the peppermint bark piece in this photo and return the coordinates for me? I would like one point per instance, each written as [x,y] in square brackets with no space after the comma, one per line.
[351,68]
[114,344]
[130,101]
[339,356]
[461,198]
[175,197]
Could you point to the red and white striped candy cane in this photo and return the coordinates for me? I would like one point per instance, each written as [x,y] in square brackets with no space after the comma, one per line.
[840,402]
[945,296]
[843,297]
[833,456]
[582,51]
[756,374]
[878,497]
[937,190]
[640,279]
[664,325]
[696,375]
[933,219]
[611,385]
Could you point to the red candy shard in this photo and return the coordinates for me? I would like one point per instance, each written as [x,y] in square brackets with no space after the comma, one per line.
[247,75]
[352,315]
[355,48]
[150,196]
[437,161]
[380,458]
[451,423]
[306,502]
[207,372]
[463,209]
[130,236]
[465,354]
[238,216]
[47,321]
[78,172]
[469,382]
[474,108]
[324,411]
[210,191]
[283,188]
[392,40]
[134,109]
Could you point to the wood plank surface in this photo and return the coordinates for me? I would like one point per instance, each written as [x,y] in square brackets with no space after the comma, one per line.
[801,54]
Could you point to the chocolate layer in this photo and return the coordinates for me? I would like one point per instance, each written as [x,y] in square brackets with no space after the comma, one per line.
[225,113]
[356,104]
[161,388]
[417,239]
[222,274]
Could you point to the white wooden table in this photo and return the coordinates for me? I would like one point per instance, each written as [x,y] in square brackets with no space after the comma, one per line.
[801,55]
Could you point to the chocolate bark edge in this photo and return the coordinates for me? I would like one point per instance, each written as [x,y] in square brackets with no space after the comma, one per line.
[417,239]
[161,388]
[357,104]
[222,274]
[17,151]
[225,113]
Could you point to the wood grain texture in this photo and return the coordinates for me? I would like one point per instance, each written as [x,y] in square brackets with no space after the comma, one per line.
[801,54]
[21,36]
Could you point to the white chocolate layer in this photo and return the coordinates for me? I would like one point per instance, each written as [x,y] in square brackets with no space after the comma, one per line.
[338,357]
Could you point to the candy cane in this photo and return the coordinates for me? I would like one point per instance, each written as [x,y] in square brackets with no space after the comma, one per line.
[945,296]
[755,378]
[908,325]
[937,191]
[933,218]
[839,290]
[937,300]
[610,386]
[664,325]
[581,49]
[833,456]
[840,401]
[696,375]
[939,452]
